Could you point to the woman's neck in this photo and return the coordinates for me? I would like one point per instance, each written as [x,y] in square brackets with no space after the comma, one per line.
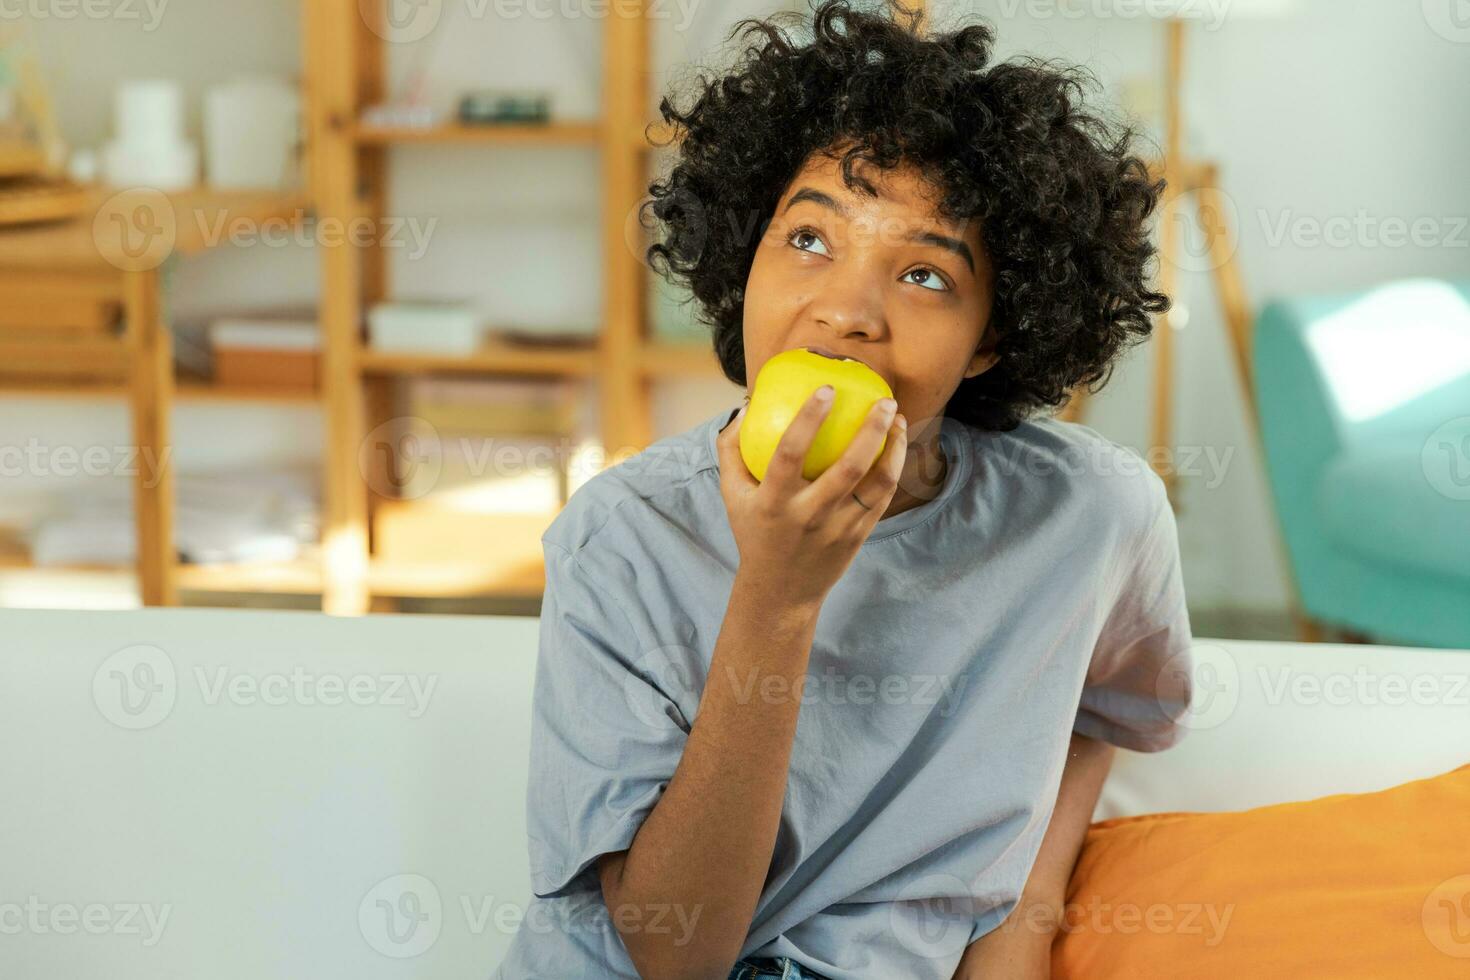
[925,469]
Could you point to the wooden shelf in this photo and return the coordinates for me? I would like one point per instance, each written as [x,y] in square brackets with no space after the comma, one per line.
[496,357]
[303,576]
[107,265]
[659,359]
[53,362]
[519,134]
[566,133]
[13,553]
[456,579]
[197,219]
[190,390]
[348,70]
[209,391]
[203,212]
[21,158]
[403,580]
[300,576]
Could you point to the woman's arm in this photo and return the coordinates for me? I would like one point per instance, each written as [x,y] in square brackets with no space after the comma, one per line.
[1020,947]
[704,850]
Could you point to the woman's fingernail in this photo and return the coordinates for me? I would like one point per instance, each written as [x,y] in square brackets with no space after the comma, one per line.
[903,423]
[824,393]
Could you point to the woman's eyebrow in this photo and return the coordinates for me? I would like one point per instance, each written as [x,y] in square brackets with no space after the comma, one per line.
[817,197]
[918,237]
[945,242]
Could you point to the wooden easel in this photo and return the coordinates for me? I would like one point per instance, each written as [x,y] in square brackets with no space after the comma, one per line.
[1185,177]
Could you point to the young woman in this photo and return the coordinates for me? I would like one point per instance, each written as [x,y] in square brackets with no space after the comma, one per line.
[855,727]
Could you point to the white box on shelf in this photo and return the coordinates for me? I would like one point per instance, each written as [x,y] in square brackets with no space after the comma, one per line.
[264,333]
[436,327]
[251,128]
[149,148]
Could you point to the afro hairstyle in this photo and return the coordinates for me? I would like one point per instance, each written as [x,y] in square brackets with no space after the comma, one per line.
[1062,200]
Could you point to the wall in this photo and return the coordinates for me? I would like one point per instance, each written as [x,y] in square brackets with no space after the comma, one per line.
[1348,105]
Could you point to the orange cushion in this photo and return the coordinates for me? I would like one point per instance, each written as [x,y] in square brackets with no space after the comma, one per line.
[1368,885]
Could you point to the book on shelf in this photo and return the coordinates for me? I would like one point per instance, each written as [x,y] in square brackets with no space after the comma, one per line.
[533,337]
[266,350]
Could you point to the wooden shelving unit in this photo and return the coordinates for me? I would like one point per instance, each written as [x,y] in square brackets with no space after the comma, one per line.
[409,580]
[51,267]
[493,358]
[552,134]
[346,73]
[186,389]
[68,271]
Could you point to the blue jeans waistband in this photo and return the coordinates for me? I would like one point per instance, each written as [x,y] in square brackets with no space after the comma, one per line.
[783,967]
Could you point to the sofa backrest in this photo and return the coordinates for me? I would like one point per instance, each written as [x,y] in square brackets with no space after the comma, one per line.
[307,796]
[240,794]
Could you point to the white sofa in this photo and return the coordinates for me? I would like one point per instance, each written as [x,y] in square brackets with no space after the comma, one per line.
[191,793]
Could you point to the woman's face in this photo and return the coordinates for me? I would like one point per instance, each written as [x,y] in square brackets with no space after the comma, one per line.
[884,280]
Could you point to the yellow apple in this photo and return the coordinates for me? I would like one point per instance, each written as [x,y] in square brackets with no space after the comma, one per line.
[784,384]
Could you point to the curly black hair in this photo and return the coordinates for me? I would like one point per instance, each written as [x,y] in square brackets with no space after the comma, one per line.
[1062,201]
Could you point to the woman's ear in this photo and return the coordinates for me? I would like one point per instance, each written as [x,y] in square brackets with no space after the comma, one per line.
[985,355]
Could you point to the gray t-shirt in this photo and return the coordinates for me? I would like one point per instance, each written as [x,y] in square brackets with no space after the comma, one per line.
[1039,594]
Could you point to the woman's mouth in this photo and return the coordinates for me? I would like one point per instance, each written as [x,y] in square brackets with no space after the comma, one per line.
[826,353]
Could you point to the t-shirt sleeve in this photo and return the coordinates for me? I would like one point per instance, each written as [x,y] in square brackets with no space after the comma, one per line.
[606,729]
[1138,683]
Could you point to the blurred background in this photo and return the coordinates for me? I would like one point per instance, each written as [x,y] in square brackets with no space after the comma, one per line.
[332,303]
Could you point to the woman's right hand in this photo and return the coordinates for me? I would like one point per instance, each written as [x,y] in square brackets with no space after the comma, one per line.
[797,536]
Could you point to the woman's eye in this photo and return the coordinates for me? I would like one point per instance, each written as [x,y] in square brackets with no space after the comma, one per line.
[928,276]
[804,233]
[802,238]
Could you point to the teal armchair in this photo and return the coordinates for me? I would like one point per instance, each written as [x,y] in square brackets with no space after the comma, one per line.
[1363,401]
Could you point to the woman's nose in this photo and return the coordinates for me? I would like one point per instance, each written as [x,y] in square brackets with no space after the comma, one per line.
[850,303]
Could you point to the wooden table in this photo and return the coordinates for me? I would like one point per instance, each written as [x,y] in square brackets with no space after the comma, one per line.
[60,286]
